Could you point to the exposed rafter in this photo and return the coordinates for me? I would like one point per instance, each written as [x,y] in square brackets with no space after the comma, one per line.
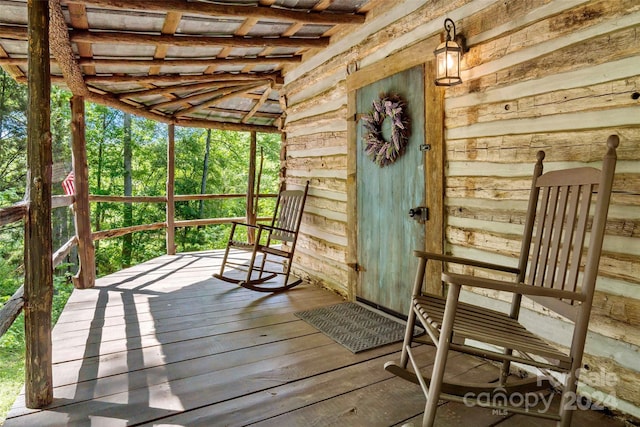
[112,37]
[221,91]
[176,89]
[261,101]
[181,78]
[173,60]
[190,110]
[217,10]
[114,62]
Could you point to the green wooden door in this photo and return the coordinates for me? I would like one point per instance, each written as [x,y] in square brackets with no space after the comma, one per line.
[387,236]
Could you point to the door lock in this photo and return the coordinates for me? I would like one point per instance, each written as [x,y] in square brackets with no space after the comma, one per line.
[420,213]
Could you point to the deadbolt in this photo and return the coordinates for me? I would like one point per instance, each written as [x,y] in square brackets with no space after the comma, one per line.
[419,213]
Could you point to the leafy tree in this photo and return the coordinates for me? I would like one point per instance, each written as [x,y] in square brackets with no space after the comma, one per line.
[13,139]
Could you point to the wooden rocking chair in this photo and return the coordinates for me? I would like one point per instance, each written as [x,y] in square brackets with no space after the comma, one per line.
[557,277]
[284,227]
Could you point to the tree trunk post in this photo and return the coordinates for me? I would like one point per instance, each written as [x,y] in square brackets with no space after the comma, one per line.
[38,285]
[251,182]
[127,240]
[86,275]
[171,246]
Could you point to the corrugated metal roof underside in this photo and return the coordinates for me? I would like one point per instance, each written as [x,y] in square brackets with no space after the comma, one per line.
[184,61]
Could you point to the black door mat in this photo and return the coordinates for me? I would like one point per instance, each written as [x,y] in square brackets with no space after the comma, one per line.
[354,326]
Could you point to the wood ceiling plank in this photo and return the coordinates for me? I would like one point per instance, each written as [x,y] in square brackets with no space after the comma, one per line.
[178,78]
[14,71]
[13,32]
[242,31]
[79,20]
[114,37]
[175,62]
[170,26]
[217,10]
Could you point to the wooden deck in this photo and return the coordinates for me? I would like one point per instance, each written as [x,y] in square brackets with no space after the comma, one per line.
[165,344]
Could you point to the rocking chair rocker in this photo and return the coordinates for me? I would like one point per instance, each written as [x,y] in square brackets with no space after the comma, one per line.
[551,271]
[284,227]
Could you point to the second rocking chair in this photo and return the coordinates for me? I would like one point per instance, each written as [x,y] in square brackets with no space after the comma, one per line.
[557,269]
[284,228]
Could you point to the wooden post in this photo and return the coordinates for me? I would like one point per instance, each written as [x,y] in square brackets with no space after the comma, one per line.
[251,182]
[86,276]
[38,284]
[434,176]
[171,209]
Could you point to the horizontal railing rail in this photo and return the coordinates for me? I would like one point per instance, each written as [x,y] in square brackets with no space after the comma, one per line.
[17,212]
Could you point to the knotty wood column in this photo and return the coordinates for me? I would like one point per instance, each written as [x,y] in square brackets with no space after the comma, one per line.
[86,276]
[38,284]
[251,182]
[171,208]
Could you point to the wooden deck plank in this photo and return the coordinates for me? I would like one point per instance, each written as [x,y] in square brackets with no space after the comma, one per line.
[145,404]
[283,399]
[163,343]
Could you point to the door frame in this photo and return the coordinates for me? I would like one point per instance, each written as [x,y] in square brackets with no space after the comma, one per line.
[433,161]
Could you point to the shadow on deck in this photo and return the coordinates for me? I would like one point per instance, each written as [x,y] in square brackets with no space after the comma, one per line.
[165,344]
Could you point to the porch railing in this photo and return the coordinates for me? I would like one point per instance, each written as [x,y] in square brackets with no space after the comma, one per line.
[16,213]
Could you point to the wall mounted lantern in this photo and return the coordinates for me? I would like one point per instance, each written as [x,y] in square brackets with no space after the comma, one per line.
[448,56]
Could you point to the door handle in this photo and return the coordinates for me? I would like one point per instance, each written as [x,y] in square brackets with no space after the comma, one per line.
[420,213]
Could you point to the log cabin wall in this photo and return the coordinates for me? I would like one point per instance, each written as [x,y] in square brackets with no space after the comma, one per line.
[557,75]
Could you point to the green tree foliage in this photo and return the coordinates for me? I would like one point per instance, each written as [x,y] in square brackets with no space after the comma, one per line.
[105,132]
[13,140]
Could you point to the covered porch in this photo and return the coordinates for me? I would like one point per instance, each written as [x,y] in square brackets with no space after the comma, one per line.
[164,343]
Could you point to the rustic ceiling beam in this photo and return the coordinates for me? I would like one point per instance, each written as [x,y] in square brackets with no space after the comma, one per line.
[239,127]
[13,32]
[170,26]
[14,71]
[78,20]
[113,37]
[178,88]
[179,78]
[215,100]
[206,95]
[190,62]
[255,60]
[261,101]
[228,112]
[217,10]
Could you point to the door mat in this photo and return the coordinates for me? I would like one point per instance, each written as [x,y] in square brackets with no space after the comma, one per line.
[354,326]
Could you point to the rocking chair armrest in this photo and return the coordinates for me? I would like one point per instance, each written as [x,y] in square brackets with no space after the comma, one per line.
[244,224]
[465,261]
[517,288]
[274,228]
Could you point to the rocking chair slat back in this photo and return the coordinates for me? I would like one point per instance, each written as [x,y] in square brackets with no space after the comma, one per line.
[289,215]
[556,256]
[553,271]
[284,227]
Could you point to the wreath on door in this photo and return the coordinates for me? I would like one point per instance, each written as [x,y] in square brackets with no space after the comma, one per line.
[379,150]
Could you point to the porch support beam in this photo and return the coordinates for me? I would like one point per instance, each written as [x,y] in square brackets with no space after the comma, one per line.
[38,284]
[171,209]
[251,182]
[86,276]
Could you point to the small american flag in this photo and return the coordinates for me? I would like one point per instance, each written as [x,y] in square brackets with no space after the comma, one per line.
[68,184]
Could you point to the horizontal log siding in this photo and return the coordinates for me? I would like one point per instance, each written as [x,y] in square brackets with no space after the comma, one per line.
[553,75]
[562,84]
